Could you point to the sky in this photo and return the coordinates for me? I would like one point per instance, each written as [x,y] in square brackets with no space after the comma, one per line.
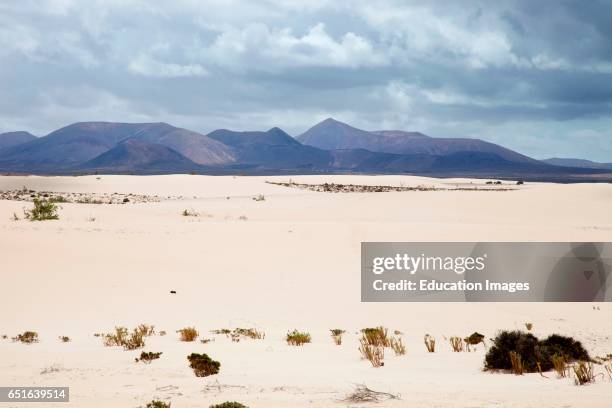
[534,76]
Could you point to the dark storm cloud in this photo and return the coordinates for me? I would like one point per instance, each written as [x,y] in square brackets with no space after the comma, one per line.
[534,76]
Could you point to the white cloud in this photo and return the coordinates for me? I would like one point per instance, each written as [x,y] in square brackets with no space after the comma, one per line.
[147,66]
[258,47]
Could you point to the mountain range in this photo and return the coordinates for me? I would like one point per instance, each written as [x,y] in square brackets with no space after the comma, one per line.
[328,147]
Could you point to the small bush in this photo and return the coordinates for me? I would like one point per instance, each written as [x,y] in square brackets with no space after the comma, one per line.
[528,326]
[337,336]
[536,355]
[229,404]
[188,334]
[158,404]
[583,372]
[221,331]
[43,210]
[190,213]
[430,343]
[162,333]
[296,338]
[373,353]
[474,339]
[148,356]
[64,339]
[376,336]
[27,337]
[259,197]
[202,365]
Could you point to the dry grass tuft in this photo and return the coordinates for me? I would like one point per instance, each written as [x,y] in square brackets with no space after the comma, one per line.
[250,333]
[583,372]
[377,336]
[188,334]
[296,338]
[373,353]
[123,338]
[517,363]
[64,339]
[608,367]
[337,336]
[398,346]
[560,366]
[145,329]
[363,394]
[430,343]
[456,344]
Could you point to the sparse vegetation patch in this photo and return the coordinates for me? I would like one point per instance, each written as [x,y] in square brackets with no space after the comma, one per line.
[27,337]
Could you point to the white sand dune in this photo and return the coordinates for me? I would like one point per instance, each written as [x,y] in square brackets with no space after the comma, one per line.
[294,262]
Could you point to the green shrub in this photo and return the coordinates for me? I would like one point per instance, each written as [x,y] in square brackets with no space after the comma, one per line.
[229,404]
[43,210]
[296,338]
[148,356]
[202,365]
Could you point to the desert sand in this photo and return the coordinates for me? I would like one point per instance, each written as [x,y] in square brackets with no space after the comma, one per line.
[289,261]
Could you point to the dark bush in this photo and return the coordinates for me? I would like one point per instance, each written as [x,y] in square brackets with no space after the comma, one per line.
[203,365]
[229,404]
[158,404]
[565,347]
[536,355]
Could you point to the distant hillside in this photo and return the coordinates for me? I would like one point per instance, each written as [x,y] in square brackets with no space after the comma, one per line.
[80,142]
[330,147]
[134,155]
[332,134]
[586,164]
[10,139]
[273,149]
